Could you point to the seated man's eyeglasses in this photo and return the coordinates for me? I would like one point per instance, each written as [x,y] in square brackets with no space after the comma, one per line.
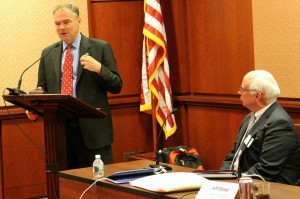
[241,90]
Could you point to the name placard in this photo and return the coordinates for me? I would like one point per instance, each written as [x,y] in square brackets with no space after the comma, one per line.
[215,190]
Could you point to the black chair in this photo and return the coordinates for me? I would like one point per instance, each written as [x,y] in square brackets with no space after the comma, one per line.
[298,132]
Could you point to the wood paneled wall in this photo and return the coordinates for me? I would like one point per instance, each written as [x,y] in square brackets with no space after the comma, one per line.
[23,172]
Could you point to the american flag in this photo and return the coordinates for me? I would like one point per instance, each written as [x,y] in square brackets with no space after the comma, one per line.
[155,68]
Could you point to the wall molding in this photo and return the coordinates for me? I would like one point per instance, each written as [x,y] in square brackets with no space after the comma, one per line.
[291,105]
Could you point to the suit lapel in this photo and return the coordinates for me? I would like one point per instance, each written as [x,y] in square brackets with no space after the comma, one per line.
[84,49]
[260,124]
[56,56]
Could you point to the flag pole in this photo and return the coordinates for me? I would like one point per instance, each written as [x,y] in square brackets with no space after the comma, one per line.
[154,125]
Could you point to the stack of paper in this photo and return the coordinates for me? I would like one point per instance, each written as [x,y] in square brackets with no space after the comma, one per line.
[168,182]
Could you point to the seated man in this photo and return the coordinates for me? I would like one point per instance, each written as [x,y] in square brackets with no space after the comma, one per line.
[267,143]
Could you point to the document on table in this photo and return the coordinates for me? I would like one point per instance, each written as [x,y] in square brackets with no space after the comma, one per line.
[169,182]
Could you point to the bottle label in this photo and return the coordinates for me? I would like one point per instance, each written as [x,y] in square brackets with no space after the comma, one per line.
[96,169]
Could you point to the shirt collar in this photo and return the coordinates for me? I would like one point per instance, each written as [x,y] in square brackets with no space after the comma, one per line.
[261,111]
[75,44]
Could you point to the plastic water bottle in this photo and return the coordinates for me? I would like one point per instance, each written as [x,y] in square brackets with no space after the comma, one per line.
[98,167]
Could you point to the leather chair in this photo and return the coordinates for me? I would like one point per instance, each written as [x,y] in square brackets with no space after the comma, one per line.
[298,132]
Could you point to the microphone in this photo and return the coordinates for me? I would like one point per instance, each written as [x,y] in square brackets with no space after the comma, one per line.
[157,165]
[17,91]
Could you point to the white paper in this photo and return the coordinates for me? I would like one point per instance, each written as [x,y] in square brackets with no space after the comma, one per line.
[168,182]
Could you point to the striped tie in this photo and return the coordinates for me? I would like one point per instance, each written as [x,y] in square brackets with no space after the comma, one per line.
[242,144]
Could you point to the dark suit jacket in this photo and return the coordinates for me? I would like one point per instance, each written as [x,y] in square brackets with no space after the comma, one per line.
[275,152]
[90,88]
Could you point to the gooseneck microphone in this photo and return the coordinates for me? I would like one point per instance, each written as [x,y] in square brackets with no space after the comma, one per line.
[157,165]
[17,91]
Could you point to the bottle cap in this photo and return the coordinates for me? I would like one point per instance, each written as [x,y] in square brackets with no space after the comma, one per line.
[98,156]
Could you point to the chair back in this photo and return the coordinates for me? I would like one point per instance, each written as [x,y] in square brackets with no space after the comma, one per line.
[298,129]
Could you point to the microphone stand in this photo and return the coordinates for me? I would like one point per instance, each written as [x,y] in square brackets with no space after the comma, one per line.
[157,164]
[17,91]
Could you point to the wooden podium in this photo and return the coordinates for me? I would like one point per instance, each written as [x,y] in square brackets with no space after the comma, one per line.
[55,109]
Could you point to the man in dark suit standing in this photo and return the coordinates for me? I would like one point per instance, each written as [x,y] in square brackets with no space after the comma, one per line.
[267,143]
[94,74]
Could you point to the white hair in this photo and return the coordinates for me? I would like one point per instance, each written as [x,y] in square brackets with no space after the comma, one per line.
[264,82]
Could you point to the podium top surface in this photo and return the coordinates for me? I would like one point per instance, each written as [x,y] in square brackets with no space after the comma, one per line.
[66,104]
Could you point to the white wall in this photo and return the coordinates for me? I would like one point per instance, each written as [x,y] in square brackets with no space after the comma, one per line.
[276,25]
[26,28]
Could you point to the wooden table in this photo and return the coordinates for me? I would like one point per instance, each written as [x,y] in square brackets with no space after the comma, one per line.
[72,184]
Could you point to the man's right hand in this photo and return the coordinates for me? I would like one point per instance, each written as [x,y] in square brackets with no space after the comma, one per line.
[31,115]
